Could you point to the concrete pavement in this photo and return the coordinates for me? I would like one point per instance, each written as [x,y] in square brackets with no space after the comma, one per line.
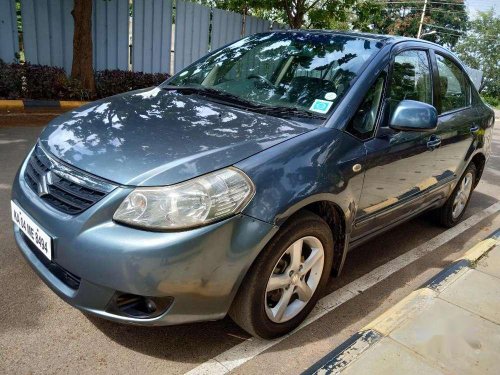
[450,326]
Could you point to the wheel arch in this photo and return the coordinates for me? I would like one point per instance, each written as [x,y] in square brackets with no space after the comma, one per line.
[479,160]
[335,217]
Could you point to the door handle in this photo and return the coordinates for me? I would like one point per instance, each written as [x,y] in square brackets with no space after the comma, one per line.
[433,143]
[474,128]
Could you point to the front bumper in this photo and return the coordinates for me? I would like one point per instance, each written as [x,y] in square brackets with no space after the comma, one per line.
[201,269]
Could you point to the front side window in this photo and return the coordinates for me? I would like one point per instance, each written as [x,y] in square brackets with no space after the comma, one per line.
[454,89]
[411,78]
[305,71]
[363,123]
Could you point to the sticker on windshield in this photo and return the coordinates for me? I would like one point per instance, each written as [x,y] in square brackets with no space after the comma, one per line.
[330,96]
[321,106]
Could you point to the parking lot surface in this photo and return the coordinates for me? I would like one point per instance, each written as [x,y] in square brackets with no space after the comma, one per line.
[40,334]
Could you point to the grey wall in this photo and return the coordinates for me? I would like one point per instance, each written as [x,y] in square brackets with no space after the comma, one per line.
[48,32]
[226,28]
[152,33]
[192,23]
[110,34]
[9,43]
[256,25]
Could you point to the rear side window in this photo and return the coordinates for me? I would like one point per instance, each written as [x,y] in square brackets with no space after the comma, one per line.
[455,90]
[411,78]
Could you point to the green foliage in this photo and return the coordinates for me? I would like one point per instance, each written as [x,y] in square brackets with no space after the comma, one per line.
[380,16]
[448,20]
[370,16]
[296,14]
[18,16]
[480,49]
[111,82]
[45,82]
[333,15]
[11,83]
[31,81]
[493,101]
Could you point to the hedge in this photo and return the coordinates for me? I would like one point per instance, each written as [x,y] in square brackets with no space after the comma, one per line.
[494,102]
[30,81]
[111,82]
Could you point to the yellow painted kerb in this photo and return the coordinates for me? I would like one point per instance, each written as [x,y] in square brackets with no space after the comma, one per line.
[419,300]
[407,308]
[11,104]
[479,250]
[68,104]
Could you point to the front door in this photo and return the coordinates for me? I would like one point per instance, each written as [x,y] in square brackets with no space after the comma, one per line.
[400,165]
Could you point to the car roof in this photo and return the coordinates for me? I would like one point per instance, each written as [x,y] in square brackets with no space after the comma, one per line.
[385,38]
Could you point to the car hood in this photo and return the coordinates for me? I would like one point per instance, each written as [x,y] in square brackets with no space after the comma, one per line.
[157,137]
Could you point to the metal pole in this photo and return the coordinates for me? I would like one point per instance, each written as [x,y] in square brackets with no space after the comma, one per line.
[422,20]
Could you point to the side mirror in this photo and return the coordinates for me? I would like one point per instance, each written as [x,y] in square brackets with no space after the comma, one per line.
[411,115]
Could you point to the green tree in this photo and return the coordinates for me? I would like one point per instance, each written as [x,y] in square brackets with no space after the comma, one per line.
[447,20]
[295,13]
[480,49]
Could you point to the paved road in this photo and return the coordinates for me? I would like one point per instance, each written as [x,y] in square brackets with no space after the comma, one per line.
[40,334]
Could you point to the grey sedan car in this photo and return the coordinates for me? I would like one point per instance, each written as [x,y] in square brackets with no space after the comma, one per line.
[239,184]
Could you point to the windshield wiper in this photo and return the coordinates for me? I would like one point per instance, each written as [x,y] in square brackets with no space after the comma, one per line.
[247,104]
[207,91]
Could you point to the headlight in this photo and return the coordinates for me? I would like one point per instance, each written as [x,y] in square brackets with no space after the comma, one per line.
[189,204]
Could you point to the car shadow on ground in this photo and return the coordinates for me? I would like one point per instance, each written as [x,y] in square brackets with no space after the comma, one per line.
[194,342]
[199,342]
[354,313]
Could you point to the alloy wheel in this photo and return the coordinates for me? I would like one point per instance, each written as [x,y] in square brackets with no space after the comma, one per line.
[294,279]
[462,195]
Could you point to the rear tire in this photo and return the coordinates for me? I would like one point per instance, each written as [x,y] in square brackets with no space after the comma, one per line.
[453,210]
[287,278]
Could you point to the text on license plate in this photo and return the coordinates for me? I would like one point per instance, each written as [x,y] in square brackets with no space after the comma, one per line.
[32,230]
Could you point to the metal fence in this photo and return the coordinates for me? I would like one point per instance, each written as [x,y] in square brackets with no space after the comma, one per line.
[9,42]
[47,32]
[226,27]
[110,20]
[151,35]
[191,33]
[156,40]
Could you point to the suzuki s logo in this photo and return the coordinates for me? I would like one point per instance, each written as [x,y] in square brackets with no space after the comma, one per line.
[43,185]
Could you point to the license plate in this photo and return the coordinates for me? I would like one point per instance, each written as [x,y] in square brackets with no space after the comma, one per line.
[32,230]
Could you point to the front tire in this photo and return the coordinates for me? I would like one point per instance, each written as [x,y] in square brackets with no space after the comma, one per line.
[453,210]
[287,278]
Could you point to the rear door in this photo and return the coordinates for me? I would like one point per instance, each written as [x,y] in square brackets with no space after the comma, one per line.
[458,122]
[400,165]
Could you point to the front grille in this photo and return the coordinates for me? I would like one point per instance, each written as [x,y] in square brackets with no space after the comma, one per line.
[61,273]
[61,186]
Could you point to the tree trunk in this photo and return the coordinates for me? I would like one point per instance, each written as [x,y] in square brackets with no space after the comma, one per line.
[298,20]
[82,68]
[295,11]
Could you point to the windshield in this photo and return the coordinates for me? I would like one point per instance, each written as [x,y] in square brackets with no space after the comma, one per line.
[303,71]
